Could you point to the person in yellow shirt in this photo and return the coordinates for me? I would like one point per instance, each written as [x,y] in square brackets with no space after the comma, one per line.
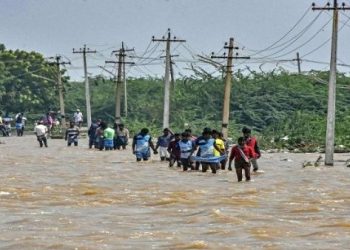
[221,146]
[226,150]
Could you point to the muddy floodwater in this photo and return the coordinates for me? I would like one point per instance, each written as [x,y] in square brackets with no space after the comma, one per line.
[76,198]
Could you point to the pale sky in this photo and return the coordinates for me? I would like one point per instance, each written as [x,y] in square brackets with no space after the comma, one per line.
[54,27]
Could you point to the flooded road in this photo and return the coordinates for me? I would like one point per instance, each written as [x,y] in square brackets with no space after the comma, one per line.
[76,198]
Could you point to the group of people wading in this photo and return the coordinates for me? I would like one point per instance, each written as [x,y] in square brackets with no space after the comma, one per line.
[210,150]
[101,136]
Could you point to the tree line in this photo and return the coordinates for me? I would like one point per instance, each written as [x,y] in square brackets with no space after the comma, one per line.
[285,109]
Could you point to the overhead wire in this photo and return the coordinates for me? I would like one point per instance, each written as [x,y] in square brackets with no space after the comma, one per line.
[343,64]
[343,14]
[141,62]
[176,47]
[136,67]
[340,60]
[306,42]
[193,61]
[20,75]
[310,52]
[189,50]
[151,52]
[195,56]
[285,35]
[325,42]
[289,42]
[140,57]
[294,39]
[317,48]
[146,50]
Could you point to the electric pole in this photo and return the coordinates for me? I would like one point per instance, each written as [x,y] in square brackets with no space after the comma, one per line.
[166,111]
[298,62]
[228,85]
[332,81]
[118,86]
[125,90]
[172,78]
[85,51]
[60,89]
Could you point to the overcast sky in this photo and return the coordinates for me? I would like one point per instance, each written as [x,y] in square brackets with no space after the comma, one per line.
[54,27]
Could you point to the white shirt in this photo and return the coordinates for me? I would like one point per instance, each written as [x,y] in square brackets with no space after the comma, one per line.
[78,117]
[40,130]
[23,119]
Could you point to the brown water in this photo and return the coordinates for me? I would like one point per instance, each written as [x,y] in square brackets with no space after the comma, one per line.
[76,198]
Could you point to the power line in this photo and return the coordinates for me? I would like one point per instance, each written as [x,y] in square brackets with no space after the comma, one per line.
[285,35]
[306,42]
[151,52]
[325,63]
[325,42]
[140,57]
[295,39]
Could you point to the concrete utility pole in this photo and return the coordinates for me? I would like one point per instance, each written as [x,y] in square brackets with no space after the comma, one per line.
[118,86]
[125,90]
[228,85]
[172,78]
[85,51]
[166,111]
[299,63]
[172,73]
[332,81]
[60,89]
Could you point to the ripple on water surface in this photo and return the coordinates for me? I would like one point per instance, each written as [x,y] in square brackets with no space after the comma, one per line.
[67,198]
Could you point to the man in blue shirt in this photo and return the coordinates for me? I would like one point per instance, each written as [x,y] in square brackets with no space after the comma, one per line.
[141,145]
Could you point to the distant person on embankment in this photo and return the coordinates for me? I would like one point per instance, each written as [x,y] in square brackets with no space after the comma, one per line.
[78,118]
[253,143]
[242,154]
[141,145]
[48,122]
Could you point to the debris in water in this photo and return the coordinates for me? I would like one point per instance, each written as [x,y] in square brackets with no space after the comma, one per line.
[347,163]
[318,161]
[310,164]
[307,164]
